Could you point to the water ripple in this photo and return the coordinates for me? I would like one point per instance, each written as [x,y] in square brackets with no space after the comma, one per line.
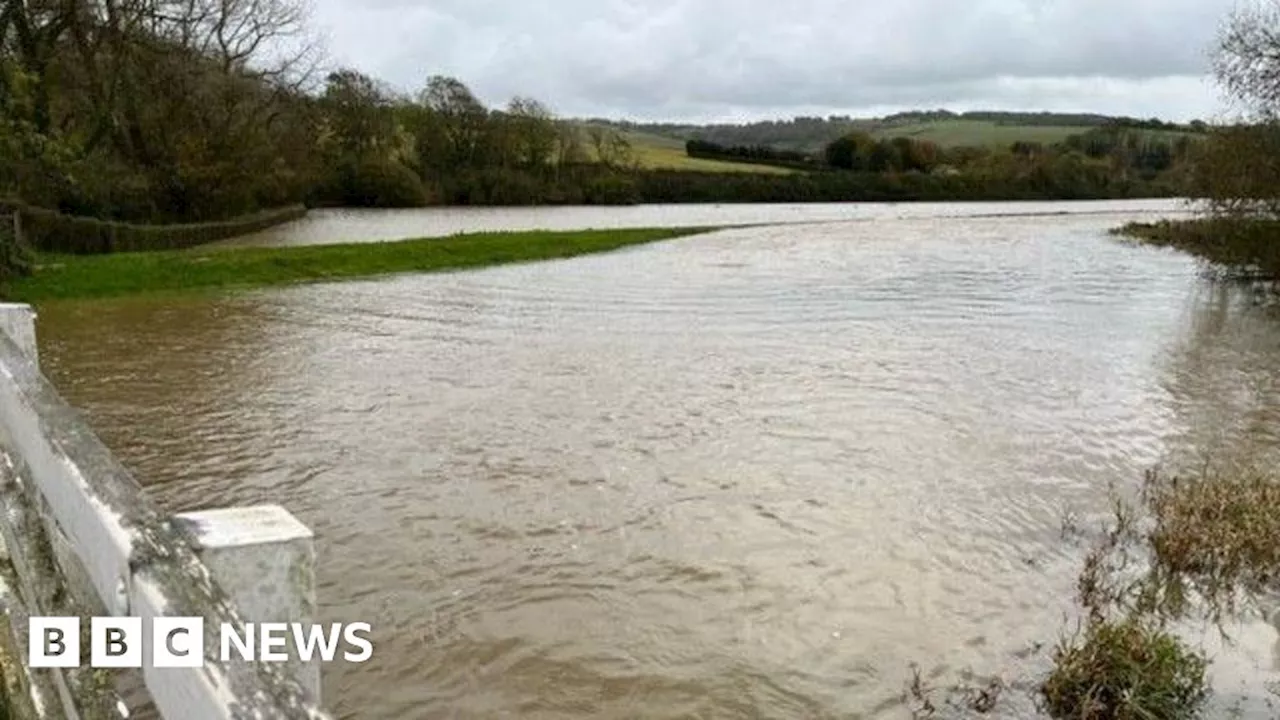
[750,474]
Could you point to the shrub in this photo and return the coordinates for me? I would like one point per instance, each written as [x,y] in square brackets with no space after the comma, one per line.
[610,189]
[1125,670]
[53,232]
[1214,537]
[376,183]
[498,186]
[1233,247]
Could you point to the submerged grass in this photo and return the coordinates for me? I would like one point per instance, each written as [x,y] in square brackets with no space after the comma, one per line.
[64,276]
[1247,249]
[1125,670]
[1214,539]
[1205,544]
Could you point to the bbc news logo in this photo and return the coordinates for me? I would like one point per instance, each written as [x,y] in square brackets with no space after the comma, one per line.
[177,642]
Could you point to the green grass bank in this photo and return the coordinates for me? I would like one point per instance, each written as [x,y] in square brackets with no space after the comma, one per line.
[57,277]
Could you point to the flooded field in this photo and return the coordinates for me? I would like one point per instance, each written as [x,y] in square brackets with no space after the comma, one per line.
[751,474]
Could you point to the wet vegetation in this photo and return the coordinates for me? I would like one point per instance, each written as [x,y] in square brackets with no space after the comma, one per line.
[1198,547]
[1229,247]
[1125,670]
[1203,546]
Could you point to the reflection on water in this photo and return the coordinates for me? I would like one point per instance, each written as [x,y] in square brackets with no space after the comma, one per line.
[1224,381]
[1222,373]
[750,474]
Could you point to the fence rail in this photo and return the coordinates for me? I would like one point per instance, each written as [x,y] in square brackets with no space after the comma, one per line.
[81,538]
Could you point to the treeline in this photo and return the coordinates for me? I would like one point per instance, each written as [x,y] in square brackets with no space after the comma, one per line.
[155,110]
[1096,162]
[1117,150]
[443,145]
[1129,147]
[762,154]
[1109,161]
[1034,119]
[180,111]
[861,152]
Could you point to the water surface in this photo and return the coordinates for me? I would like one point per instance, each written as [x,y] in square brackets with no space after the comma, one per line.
[752,474]
[358,225]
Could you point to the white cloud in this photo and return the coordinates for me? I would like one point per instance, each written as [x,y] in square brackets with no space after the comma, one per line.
[738,59]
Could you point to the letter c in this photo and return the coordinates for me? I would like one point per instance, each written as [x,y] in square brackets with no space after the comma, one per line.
[168,641]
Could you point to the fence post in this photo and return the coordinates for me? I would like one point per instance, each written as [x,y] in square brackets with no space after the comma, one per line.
[264,559]
[19,323]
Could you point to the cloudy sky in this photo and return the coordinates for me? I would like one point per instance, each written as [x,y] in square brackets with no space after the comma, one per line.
[734,60]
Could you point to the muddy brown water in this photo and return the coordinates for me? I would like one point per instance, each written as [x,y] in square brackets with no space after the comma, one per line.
[750,474]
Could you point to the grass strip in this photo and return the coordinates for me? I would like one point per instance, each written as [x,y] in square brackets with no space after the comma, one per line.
[58,277]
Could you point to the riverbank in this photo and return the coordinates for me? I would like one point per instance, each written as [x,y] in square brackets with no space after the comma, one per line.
[1236,249]
[58,277]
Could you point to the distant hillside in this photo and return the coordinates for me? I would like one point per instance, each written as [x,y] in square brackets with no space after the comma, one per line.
[956,132]
[652,151]
[949,129]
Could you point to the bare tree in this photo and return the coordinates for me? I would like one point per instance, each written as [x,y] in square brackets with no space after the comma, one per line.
[1247,58]
[1239,167]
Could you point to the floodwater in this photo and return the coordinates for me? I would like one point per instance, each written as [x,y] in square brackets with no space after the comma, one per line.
[751,474]
[322,227]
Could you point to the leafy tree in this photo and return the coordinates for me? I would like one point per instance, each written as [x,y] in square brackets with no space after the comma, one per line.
[884,157]
[456,124]
[533,130]
[359,121]
[851,152]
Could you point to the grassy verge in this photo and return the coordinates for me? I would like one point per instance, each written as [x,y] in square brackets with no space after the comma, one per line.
[65,276]
[1246,249]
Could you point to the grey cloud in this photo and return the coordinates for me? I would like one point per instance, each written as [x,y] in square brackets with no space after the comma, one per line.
[717,58]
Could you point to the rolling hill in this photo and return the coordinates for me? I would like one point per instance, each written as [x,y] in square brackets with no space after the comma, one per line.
[654,151]
[811,134]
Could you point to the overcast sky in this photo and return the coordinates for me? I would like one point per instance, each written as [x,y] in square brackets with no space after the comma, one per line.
[735,60]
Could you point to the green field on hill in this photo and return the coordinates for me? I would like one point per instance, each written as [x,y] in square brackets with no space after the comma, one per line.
[985,133]
[658,152]
[978,129]
[978,133]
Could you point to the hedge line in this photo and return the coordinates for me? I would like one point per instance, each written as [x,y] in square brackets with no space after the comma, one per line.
[50,231]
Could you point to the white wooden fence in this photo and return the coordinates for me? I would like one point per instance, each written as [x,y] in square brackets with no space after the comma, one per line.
[80,538]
